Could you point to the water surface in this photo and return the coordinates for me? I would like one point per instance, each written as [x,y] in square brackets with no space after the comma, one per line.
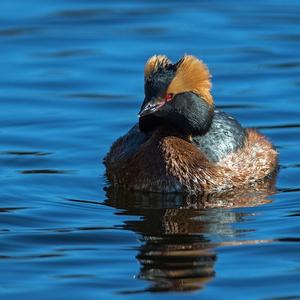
[71,82]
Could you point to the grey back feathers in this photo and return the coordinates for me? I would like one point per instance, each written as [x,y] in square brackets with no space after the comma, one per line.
[225,135]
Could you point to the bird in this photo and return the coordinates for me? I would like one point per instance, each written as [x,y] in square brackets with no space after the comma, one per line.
[181,143]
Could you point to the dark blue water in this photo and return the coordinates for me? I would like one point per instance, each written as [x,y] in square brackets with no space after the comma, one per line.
[71,82]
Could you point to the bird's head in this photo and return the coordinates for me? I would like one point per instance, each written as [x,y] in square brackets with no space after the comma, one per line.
[177,95]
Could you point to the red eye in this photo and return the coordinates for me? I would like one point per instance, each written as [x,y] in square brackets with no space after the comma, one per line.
[168,97]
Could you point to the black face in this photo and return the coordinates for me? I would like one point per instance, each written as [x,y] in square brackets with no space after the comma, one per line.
[155,88]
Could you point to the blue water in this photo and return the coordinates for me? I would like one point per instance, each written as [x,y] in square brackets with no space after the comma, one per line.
[71,82]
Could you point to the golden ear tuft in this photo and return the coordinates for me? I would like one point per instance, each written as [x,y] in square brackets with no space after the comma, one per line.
[192,75]
[155,62]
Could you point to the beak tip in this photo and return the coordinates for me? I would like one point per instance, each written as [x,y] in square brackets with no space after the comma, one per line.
[149,109]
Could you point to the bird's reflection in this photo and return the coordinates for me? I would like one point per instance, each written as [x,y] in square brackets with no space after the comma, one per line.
[179,234]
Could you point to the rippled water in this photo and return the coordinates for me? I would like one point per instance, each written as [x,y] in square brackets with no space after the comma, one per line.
[71,82]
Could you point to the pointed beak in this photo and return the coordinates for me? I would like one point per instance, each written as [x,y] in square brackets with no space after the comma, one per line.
[151,107]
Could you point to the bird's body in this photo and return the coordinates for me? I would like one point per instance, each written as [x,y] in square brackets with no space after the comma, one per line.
[181,144]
